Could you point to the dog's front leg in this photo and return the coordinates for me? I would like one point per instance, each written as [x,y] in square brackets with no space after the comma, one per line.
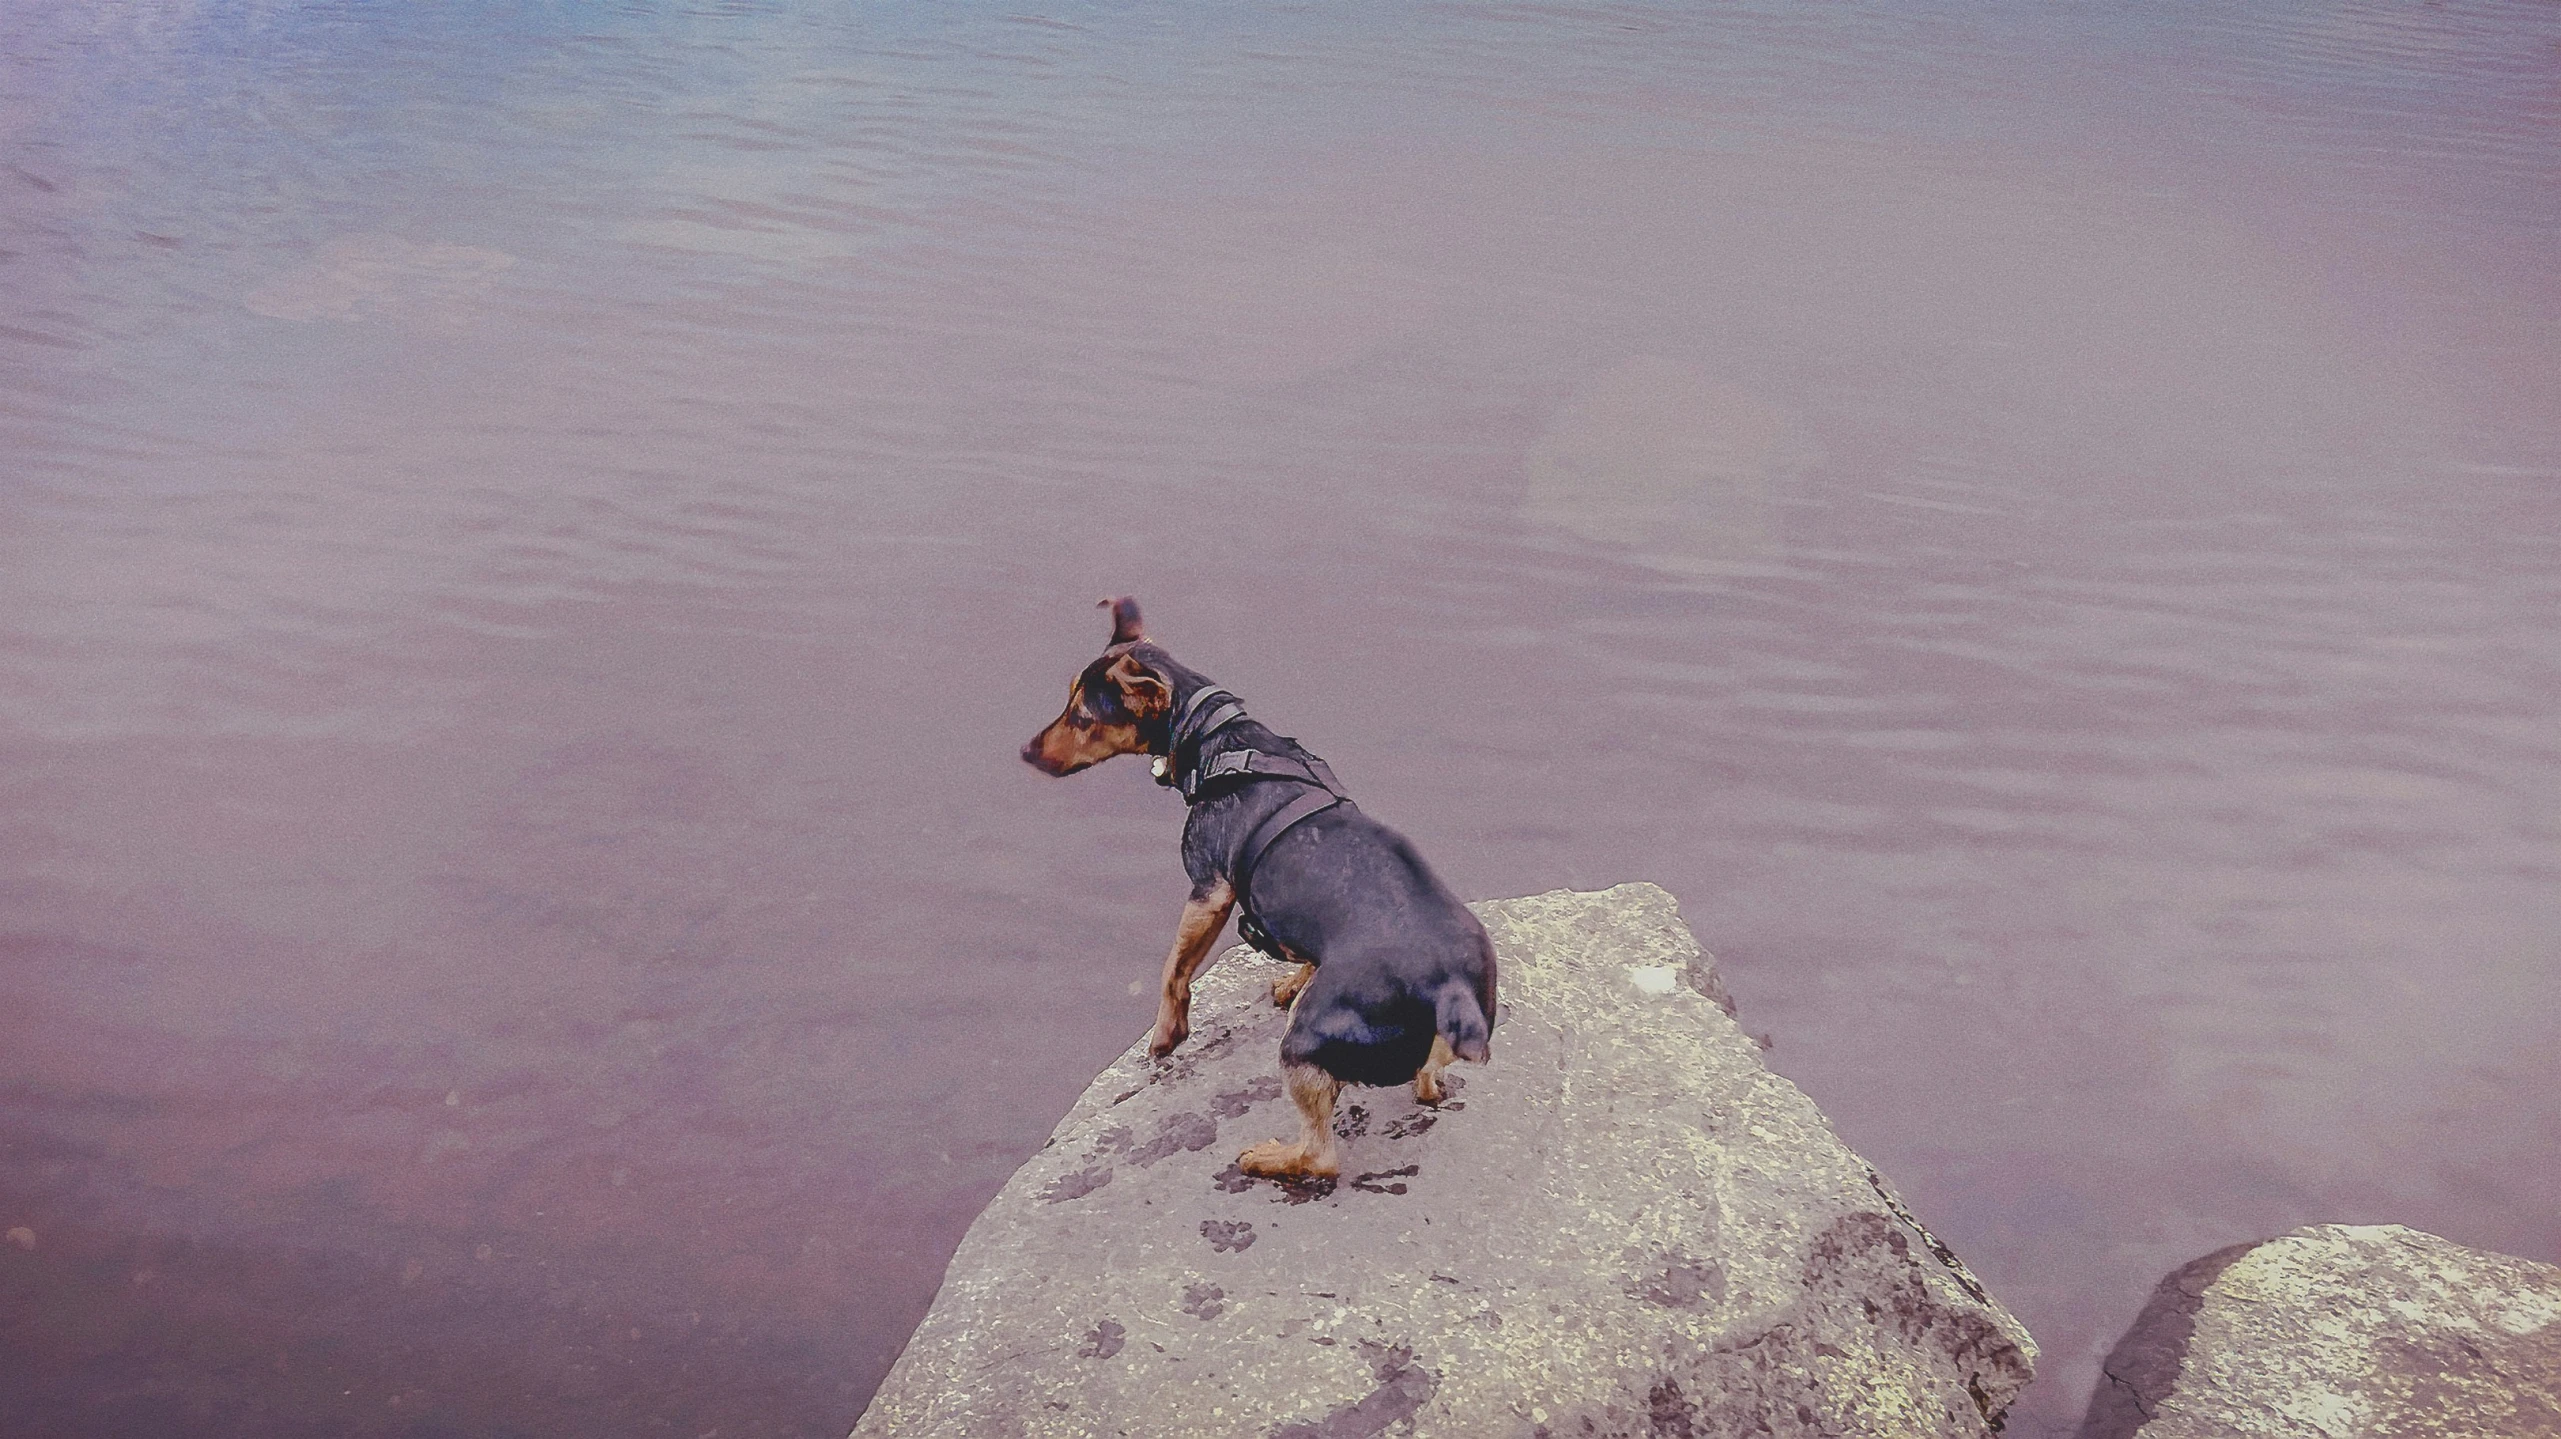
[1204,915]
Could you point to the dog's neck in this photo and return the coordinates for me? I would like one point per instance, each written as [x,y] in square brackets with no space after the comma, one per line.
[1185,682]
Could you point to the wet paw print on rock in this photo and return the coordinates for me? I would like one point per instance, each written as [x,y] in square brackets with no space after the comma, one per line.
[1176,1133]
[1352,1123]
[1077,1185]
[1370,1182]
[1407,1126]
[1103,1341]
[1204,1301]
[1236,1101]
[1228,1236]
[1186,1062]
[1303,1191]
[1404,1387]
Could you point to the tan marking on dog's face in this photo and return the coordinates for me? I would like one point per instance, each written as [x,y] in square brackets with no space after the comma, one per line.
[1077,740]
[1105,708]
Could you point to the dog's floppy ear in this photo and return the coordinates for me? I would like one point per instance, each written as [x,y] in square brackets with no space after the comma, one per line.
[1124,618]
[1146,695]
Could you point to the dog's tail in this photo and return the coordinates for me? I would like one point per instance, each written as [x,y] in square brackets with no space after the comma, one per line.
[1462,1020]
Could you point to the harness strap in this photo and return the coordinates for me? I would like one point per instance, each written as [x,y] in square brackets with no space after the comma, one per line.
[1309,804]
[1256,763]
[1192,707]
[1210,709]
[1217,719]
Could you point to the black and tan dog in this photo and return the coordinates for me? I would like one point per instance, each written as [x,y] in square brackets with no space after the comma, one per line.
[1395,978]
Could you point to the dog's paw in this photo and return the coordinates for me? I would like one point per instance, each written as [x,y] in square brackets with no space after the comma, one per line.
[1427,1088]
[1287,988]
[1280,1159]
[1166,1037]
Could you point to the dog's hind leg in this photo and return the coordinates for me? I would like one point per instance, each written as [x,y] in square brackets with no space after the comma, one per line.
[1427,1080]
[1285,990]
[1313,1156]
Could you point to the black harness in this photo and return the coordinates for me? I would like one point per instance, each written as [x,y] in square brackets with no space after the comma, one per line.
[1211,709]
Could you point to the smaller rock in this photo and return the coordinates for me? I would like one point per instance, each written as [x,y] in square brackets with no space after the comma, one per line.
[2338,1331]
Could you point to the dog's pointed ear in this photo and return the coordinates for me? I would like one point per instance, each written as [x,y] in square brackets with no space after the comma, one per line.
[1145,693]
[1124,618]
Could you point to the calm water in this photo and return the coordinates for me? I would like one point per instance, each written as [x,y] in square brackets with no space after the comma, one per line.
[530,535]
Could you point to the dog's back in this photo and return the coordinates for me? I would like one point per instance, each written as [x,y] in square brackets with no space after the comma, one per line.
[1399,961]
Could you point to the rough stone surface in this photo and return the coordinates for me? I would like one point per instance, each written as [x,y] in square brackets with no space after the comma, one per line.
[1624,1225]
[2340,1331]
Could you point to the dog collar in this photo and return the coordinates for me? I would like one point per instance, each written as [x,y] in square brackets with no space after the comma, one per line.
[1210,709]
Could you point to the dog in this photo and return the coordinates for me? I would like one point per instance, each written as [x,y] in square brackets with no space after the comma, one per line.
[1395,977]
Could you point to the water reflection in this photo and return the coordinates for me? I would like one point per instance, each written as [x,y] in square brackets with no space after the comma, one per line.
[364,277]
[1653,454]
[530,538]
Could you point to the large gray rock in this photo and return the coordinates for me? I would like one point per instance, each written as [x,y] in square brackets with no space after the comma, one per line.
[2340,1331]
[1625,1224]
